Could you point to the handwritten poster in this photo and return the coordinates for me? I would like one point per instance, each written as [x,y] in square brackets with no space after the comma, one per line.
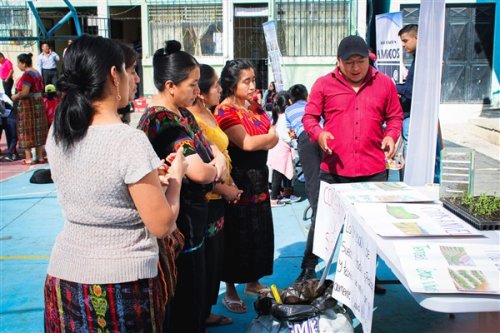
[373,186]
[384,196]
[413,220]
[450,268]
[354,281]
[329,220]
[380,192]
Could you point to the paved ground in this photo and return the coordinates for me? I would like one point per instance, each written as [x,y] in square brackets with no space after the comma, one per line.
[30,219]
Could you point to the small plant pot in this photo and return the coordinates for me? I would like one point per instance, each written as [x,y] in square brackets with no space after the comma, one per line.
[478,222]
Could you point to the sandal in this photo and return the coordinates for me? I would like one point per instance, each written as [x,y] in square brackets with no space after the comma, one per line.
[236,306]
[27,162]
[217,320]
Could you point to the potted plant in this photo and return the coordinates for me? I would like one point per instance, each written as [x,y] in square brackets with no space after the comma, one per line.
[483,211]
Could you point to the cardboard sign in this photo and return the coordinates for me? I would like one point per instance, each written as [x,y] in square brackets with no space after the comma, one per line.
[329,220]
[354,282]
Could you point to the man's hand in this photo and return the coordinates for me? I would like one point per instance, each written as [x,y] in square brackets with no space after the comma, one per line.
[323,141]
[388,147]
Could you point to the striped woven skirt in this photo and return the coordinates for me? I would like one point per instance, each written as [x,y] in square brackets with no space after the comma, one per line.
[32,123]
[123,307]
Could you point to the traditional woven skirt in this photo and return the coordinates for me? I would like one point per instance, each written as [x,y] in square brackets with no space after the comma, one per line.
[248,229]
[214,250]
[32,124]
[123,307]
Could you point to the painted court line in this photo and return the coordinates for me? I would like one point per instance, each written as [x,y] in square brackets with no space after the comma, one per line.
[23,195]
[23,257]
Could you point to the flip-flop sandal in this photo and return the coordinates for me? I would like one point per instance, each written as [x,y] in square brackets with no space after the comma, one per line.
[26,162]
[219,321]
[230,303]
[257,292]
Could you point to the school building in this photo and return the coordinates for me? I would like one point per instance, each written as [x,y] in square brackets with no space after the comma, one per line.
[308,32]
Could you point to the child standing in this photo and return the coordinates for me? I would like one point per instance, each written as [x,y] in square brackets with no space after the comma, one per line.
[51,100]
[280,158]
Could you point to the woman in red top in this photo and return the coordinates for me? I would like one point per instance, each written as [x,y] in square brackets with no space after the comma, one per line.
[249,236]
[32,125]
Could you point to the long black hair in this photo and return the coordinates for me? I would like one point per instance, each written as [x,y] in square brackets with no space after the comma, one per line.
[87,64]
[230,76]
[207,78]
[170,63]
[25,58]
[280,102]
[129,54]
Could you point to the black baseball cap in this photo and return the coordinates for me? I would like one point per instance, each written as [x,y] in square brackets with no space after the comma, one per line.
[352,45]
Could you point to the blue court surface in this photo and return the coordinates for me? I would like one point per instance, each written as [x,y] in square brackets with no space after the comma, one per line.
[31,218]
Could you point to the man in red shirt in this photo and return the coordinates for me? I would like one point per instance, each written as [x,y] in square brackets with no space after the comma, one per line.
[355,101]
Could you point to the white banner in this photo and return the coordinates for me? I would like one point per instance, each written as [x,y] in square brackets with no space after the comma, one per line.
[420,160]
[389,47]
[329,221]
[354,283]
[274,54]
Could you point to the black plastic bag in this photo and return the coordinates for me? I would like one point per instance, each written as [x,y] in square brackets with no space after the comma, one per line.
[41,176]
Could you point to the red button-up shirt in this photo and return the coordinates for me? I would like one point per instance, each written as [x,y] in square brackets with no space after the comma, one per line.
[355,120]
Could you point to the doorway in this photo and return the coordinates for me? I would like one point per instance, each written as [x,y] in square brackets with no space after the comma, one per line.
[468,51]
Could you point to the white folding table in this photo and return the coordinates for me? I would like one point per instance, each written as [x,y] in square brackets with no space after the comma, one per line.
[447,303]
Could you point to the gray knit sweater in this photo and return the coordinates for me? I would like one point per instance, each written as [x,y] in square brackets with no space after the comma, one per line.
[103,239]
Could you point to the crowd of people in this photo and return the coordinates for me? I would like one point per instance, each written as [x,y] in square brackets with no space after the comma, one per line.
[157,217]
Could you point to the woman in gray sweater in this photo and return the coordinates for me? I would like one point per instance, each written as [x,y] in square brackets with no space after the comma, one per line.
[103,273]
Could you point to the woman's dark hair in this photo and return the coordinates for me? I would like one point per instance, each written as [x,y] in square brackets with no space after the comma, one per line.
[207,78]
[129,54]
[298,92]
[86,69]
[230,76]
[280,102]
[25,58]
[273,85]
[170,63]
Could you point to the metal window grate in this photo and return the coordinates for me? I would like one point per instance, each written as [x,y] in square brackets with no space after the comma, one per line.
[15,24]
[196,24]
[314,27]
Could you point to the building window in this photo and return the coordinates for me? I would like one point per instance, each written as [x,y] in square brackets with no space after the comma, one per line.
[14,24]
[197,25]
[314,27]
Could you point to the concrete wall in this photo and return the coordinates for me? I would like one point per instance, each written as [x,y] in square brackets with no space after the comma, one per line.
[296,70]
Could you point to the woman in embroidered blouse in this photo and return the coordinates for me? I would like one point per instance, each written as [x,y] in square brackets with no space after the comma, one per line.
[32,123]
[223,193]
[249,236]
[169,125]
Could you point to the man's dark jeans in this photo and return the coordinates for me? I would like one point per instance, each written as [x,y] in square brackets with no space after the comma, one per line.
[49,76]
[336,179]
[310,158]
[7,87]
[9,126]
